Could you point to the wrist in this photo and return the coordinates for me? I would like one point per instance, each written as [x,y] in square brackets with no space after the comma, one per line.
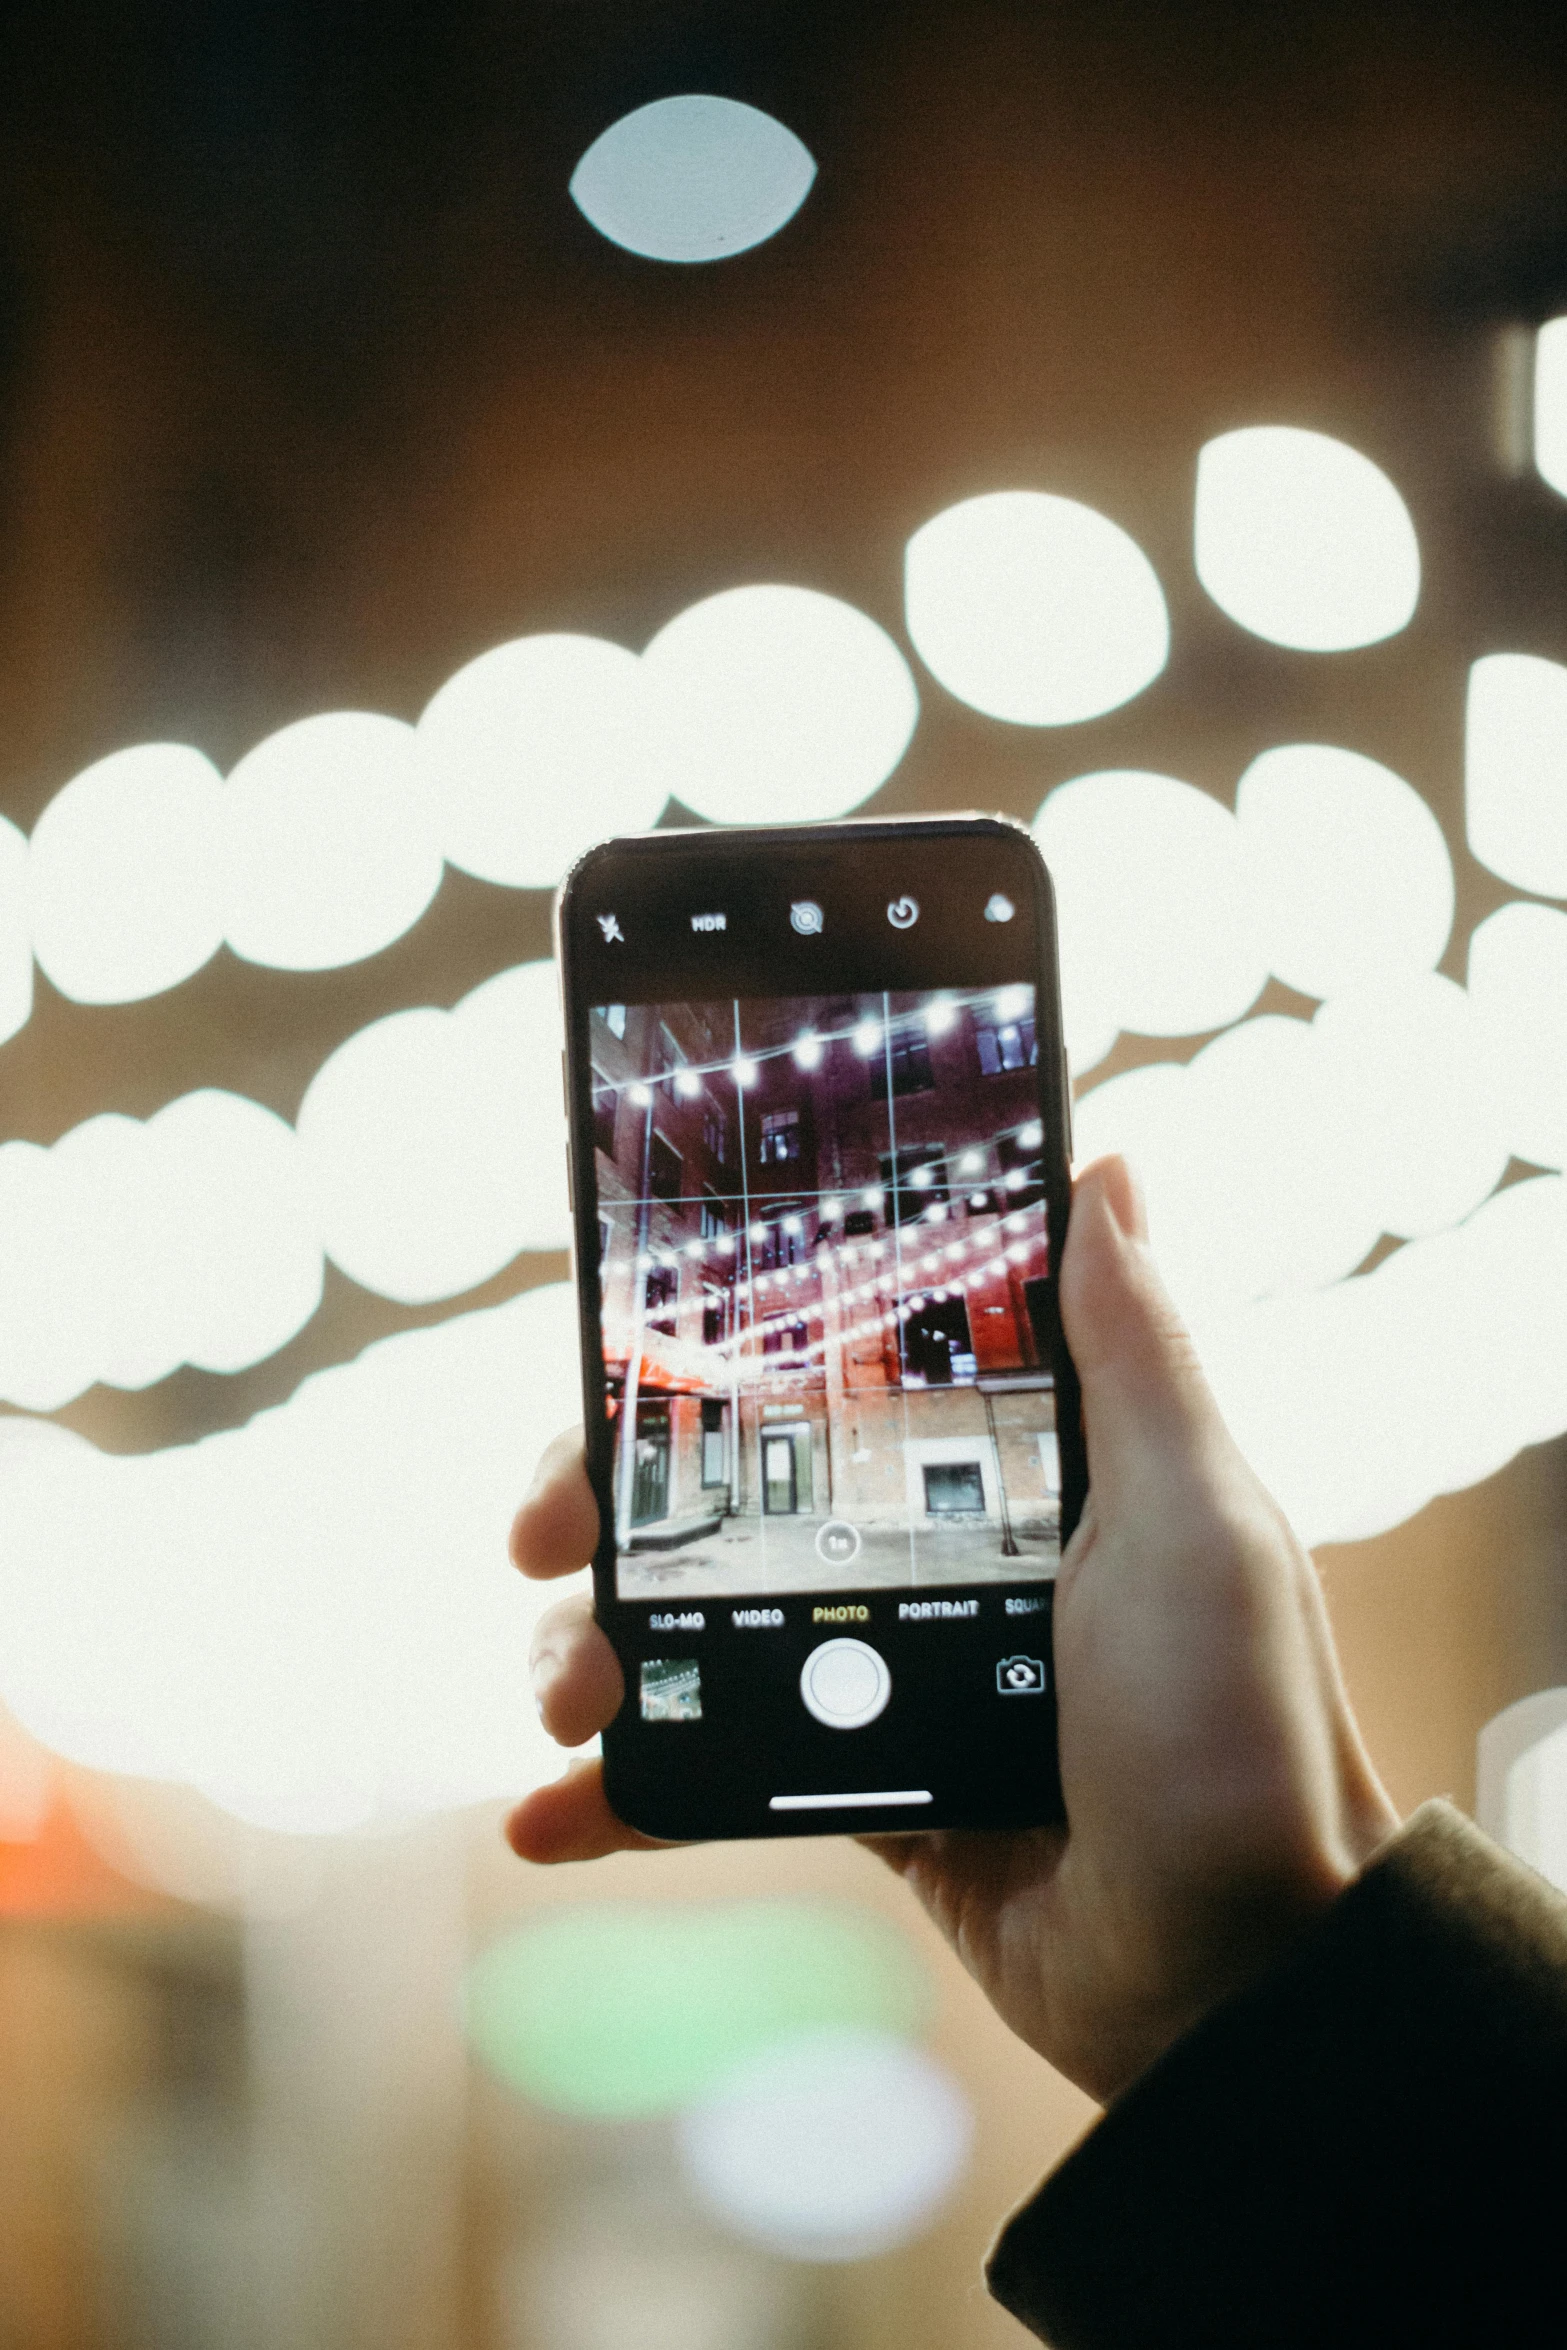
[1215,1946]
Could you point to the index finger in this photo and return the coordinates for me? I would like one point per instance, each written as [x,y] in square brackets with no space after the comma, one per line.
[556,1530]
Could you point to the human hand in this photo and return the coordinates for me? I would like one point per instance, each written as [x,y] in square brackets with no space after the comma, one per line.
[1217,1793]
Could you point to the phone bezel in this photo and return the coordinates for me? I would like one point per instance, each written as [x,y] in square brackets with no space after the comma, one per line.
[683,853]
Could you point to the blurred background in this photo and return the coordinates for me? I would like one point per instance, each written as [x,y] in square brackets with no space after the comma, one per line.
[429,441]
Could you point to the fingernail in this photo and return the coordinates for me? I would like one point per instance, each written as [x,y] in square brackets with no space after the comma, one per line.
[542,1671]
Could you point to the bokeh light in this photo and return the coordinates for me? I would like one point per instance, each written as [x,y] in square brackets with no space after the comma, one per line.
[309,1619]
[1158,912]
[693,178]
[16,951]
[1354,877]
[1518,990]
[1303,540]
[835,2145]
[435,1141]
[127,1249]
[775,704]
[1359,1402]
[1280,1154]
[331,845]
[613,2011]
[535,751]
[1550,403]
[1521,1781]
[126,881]
[1515,769]
[1034,608]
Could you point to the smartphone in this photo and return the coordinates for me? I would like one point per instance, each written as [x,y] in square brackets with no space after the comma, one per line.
[820,1138]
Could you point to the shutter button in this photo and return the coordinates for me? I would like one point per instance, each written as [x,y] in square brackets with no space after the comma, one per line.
[845,1684]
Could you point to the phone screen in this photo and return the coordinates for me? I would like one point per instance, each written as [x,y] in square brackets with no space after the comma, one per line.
[831,1423]
[825,1294]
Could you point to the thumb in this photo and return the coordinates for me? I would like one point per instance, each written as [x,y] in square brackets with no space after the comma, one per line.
[1144,1392]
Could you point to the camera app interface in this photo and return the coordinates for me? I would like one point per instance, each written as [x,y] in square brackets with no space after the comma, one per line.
[826,1295]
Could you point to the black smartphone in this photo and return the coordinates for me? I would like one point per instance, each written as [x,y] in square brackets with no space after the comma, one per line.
[821,1132]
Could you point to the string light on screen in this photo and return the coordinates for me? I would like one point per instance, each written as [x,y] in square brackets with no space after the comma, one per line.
[1034,608]
[693,178]
[1303,540]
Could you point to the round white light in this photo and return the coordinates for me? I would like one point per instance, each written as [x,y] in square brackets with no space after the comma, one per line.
[16,951]
[248,1268]
[687,1084]
[435,1140]
[125,877]
[1034,608]
[693,178]
[128,1249]
[1518,994]
[1160,928]
[1359,1402]
[331,845]
[1274,1161]
[256,1614]
[1352,872]
[744,1071]
[1405,1069]
[1515,778]
[830,2146]
[808,1052]
[1303,540]
[535,751]
[940,1015]
[769,704]
[1550,403]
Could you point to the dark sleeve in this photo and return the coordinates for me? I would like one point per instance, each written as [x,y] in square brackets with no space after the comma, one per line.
[1368,2147]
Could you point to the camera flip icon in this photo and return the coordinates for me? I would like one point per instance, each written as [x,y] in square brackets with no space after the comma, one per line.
[1021,1676]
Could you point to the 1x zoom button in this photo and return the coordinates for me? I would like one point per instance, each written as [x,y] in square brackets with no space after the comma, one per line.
[845,1684]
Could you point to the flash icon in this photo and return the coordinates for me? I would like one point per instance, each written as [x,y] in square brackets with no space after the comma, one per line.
[613,934]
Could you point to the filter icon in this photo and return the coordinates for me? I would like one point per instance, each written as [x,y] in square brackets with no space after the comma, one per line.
[999,908]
